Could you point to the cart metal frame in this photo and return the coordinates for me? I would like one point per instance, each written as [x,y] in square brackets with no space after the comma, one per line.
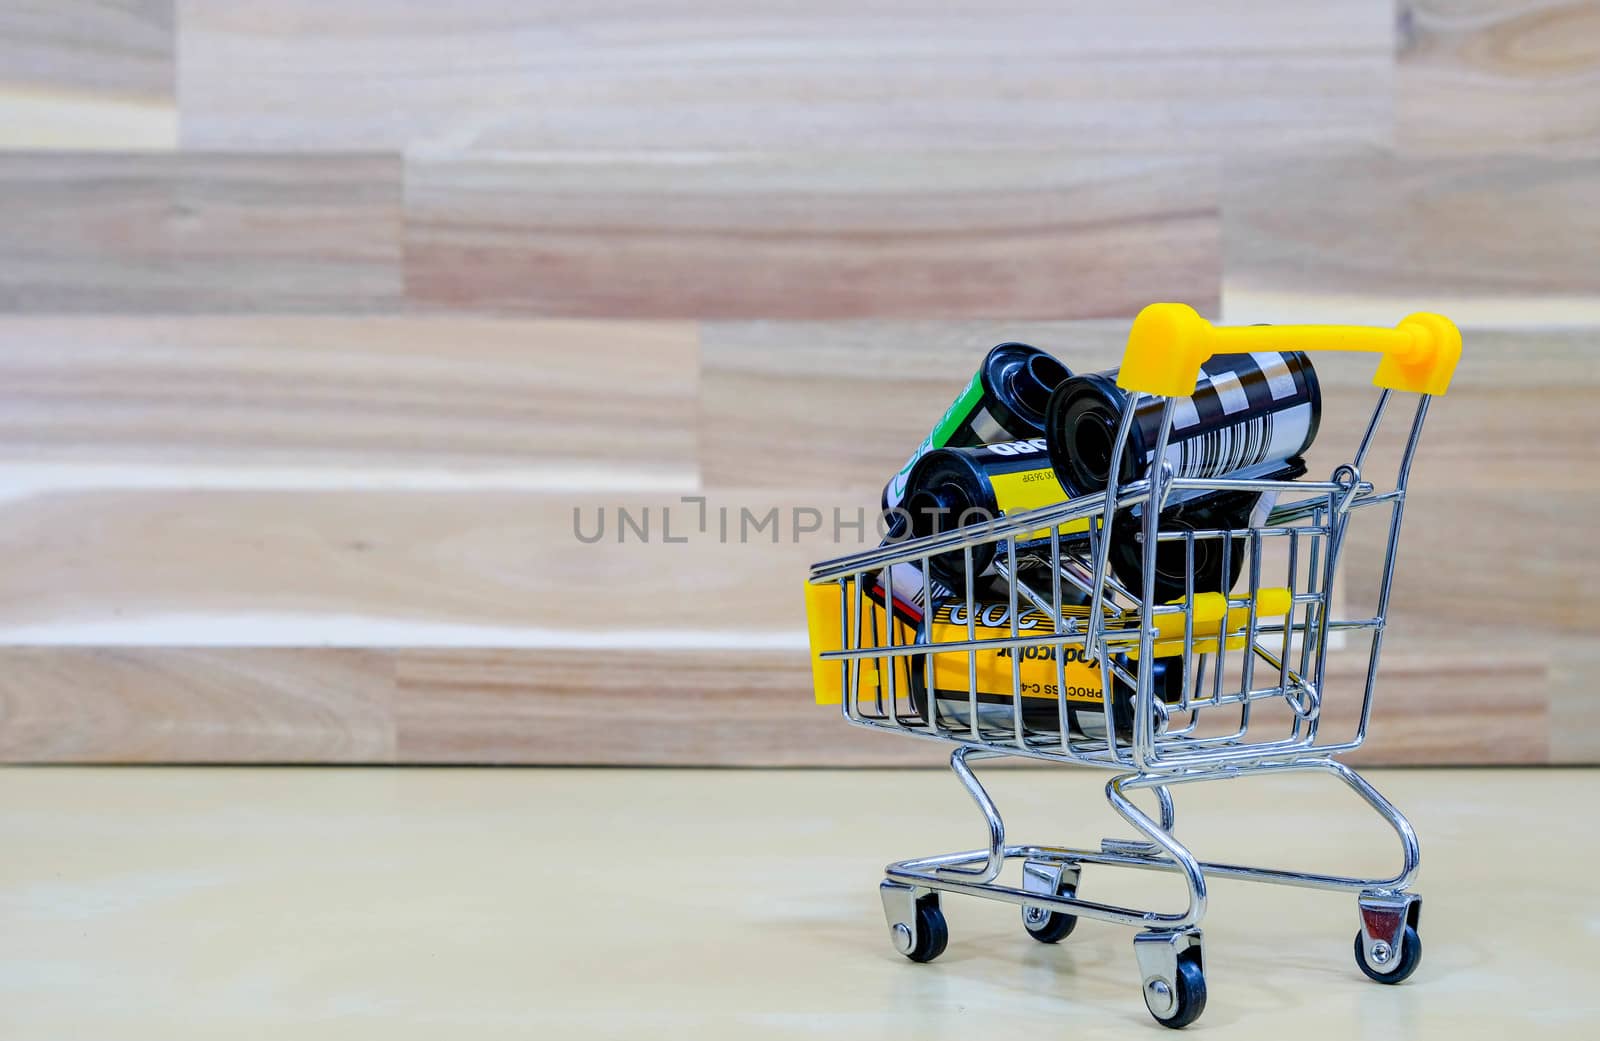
[1279,671]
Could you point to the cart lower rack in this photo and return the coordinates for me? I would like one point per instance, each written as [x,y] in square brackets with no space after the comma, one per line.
[1047,655]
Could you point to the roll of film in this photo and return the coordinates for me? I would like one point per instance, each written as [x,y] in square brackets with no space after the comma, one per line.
[1251,416]
[1004,401]
[953,488]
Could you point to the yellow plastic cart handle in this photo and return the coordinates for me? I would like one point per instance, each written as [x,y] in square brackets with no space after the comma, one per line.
[1168,343]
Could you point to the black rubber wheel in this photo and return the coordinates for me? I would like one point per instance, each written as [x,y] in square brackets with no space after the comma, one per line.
[1191,994]
[1055,927]
[1400,968]
[932,933]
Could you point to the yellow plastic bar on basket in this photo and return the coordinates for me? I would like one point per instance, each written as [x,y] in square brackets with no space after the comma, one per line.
[1209,611]
[824,622]
[1169,342]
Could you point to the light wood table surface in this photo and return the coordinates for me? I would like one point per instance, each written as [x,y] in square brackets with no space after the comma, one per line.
[279,903]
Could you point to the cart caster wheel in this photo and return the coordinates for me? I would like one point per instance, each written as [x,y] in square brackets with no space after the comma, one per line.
[916,924]
[1388,948]
[1396,966]
[1177,1002]
[1043,924]
[932,933]
[1048,926]
[1172,967]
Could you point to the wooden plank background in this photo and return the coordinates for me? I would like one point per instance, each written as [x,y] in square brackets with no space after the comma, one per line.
[326,328]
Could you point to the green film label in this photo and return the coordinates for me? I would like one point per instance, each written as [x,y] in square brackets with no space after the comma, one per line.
[960,410]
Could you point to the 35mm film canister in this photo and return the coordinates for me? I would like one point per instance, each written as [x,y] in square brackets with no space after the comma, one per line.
[1004,401]
[990,672]
[951,488]
[1036,676]
[959,487]
[1213,561]
[996,711]
[1250,414]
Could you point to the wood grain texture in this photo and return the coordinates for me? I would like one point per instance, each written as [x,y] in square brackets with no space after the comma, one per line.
[395,568]
[1519,421]
[740,709]
[713,74]
[1499,562]
[811,236]
[506,628]
[197,233]
[88,75]
[320,402]
[119,704]
[1472,705]
[1490,241]
[845,403]
[1574,710]
[651,708]
[296,419]
[848,401]
[647,708]
[1498,76]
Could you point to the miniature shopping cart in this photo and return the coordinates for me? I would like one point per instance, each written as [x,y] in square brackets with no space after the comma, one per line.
[1250,658]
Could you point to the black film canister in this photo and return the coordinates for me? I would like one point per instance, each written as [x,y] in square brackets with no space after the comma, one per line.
[1006,400]
[953,488]
[1041,716]
[1212,558]
[1249,415]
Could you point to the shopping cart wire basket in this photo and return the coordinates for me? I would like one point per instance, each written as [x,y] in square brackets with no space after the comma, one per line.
[1049,656]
